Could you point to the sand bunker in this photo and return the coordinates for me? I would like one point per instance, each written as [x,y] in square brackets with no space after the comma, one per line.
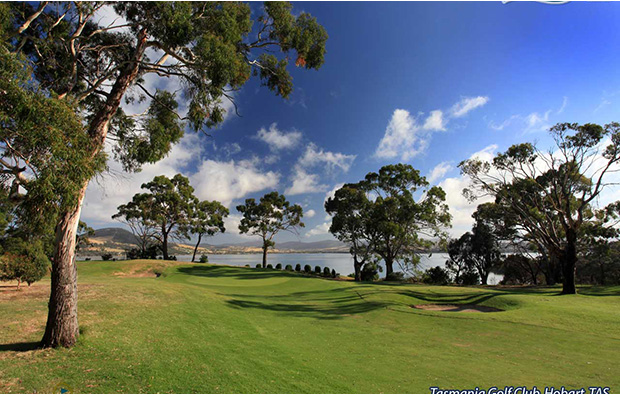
[457,308]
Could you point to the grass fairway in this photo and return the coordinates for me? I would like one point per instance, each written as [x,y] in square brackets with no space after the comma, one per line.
[203,328]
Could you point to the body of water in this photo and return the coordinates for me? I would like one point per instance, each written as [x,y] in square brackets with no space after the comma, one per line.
[342,263]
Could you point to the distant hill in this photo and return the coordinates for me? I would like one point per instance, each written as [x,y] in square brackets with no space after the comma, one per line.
[118,240]
[115,235]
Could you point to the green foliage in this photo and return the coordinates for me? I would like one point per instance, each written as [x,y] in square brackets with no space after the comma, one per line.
[326,272]
[279,266]
[298,267]
[166,211]
[270,266]
[317,269]
[106,256]
[395,276]
[436,275]
[334,274]
[204,259]
[380,216]
[307,269]
[23,261]
[268,217]
[258,265]
[370,272]
[548,203]
[288,268]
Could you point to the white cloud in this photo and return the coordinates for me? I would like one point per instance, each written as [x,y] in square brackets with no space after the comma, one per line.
[468,104]
[439,171]
[332,192]
[226,181]
[116,187]
[304,182]
[314,156]
[564,104]
[435,121]
[403,137]
[321,229]
[277,139]
[310,213]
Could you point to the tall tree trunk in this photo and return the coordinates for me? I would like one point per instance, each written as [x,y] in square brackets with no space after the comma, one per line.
[569,263]
[164,246]
[196,248]
[358,269]
[389,267]
[62,328]
[484,277]
[62,324]
[265,247]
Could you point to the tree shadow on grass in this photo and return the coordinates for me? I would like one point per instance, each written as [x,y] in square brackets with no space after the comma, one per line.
[327,311]
[240,273]
[23,346]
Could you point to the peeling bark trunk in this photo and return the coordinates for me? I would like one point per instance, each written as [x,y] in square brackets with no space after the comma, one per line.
[62,328]
[62,322]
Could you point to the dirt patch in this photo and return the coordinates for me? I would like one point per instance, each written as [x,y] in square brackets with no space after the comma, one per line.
[457,308]
[34,291]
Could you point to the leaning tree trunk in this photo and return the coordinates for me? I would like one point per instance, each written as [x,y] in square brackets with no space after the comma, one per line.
[62,323]
[196,248]
[62,328]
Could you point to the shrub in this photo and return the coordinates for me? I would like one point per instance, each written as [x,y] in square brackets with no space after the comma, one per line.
[317,270]
[246,265]
[137,253]
[24,262]
[436,275]
[269,266]
[288,268]
[470,277]
[279,266]
[334,274]
[87,259]
[327,272]
[307,269]
[395,276]
[370,272]
[204,259]
[106,256]
[258,266]
[298,267]
[172,257]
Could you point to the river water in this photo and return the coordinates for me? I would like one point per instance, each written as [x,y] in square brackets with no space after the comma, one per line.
[342,263]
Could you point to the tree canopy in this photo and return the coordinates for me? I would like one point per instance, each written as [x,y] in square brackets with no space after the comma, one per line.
[271,215]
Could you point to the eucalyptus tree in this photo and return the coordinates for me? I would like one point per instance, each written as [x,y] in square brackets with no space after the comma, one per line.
[84,71]
[349,209]
[404,208]
[134,214]
[272,214]
[550,193]
[167,208]
[207,219]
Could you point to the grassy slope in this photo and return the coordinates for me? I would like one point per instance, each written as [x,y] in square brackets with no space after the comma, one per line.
[223,329]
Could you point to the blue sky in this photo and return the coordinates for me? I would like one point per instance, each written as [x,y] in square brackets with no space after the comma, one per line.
[429,84]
